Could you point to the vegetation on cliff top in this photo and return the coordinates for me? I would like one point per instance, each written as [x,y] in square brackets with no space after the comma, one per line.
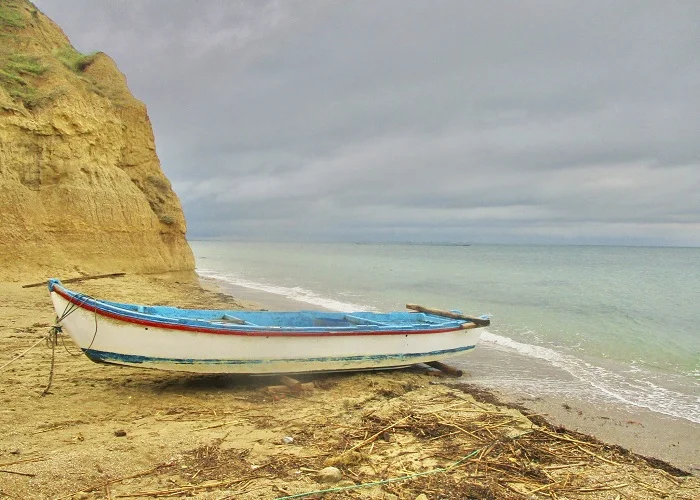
[21,73]
[74,60]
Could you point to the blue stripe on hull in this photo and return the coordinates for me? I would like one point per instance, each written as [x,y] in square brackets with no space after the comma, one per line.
[112,357]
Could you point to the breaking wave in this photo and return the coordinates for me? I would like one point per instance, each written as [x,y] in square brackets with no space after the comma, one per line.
[638,390]
[294,293]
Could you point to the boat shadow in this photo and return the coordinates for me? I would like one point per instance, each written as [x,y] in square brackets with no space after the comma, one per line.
[158,383]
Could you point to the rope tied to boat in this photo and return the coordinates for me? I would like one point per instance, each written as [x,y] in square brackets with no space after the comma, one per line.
[57,330]
[51,338]
[51,341]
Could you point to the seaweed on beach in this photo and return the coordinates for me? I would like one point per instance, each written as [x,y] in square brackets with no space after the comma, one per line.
[427,438]
[421,448]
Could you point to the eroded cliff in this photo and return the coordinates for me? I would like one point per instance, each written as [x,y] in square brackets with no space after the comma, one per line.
[81,188]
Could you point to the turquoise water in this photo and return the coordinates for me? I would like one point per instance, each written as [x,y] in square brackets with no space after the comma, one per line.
[623,321]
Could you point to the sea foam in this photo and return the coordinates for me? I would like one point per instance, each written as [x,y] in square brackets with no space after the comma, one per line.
[297,293]
[639,391]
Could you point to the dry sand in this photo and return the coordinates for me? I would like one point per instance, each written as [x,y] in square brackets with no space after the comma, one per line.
[117,432]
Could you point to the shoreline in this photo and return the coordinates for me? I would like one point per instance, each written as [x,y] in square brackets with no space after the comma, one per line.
[257,299]
[649,433]
[107,431]
[640,430]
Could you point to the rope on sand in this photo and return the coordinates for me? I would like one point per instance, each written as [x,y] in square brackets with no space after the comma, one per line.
[385,481]
[51,340]
[23,353]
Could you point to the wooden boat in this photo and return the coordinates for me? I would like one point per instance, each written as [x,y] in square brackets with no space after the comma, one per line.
[215,341]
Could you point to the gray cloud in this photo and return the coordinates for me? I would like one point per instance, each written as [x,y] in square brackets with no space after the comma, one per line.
[537,121]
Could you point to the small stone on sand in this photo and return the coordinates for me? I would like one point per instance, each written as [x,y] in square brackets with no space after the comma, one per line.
[329,475]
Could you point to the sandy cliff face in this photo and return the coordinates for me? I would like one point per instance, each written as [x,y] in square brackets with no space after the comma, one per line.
[81,189]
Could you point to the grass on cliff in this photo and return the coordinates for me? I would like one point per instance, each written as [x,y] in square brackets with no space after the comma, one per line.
[25,65]
[17,73]
[21,74]
[74,60]
[10,17]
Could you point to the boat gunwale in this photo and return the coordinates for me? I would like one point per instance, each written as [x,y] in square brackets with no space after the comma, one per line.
[107,310]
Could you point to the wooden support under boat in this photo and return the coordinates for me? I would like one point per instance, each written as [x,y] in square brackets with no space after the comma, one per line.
[290,385]
[449,370]
[283,389]
[74,280]
[293,384]
[448,314]
[278,389]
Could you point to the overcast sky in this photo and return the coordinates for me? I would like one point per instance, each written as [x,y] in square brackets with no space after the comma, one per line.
[396,120]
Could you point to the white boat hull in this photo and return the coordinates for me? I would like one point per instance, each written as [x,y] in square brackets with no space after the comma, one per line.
[105,338]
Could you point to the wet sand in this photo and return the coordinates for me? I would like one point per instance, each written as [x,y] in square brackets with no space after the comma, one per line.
[107,431]
[648,433]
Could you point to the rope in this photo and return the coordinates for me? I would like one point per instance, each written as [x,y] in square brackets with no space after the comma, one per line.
[68,310]
[63,343]
[385,481]
[23,353]
[51,338]
[94,335]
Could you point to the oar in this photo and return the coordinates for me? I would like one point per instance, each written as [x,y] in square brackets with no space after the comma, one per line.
[73,280]
[448,314]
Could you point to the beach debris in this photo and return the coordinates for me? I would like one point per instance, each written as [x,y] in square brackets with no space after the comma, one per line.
[329,475]
[429,442]
[108,482]
[17,472]
[347,458]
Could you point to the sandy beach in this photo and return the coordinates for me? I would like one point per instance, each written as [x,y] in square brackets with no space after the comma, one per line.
[117,432]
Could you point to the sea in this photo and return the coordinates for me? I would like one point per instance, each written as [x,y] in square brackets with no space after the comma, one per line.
[608,324]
